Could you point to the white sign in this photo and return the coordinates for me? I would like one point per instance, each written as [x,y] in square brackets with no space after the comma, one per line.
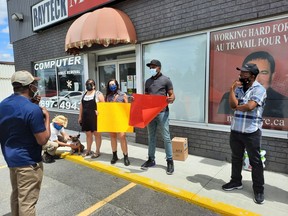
[58,63]
[48,12]
[130,81]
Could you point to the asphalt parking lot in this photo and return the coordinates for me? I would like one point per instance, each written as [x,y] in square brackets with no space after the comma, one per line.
[72,189]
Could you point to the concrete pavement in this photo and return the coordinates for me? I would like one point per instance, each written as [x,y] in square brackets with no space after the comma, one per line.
[197,180]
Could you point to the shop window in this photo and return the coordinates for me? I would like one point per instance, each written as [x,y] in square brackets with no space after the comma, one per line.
[183,61]
[264,44]
[61,82]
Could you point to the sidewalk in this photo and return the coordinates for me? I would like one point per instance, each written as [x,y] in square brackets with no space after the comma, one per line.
[197,180]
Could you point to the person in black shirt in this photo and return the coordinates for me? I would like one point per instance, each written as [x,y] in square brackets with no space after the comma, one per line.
[88,117]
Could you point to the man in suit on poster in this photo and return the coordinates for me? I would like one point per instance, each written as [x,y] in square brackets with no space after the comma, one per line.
[276,103]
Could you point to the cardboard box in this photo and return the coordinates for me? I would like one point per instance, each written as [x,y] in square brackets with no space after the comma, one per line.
[180,148]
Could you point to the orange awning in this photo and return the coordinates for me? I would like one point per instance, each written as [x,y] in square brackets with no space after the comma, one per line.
[103,26]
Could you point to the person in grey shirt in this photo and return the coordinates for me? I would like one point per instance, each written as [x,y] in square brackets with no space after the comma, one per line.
[158,84]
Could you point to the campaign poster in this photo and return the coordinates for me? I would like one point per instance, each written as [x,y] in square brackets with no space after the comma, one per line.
[264,44]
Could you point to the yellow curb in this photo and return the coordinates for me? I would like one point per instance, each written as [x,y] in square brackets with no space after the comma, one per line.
[4,166]
[215,206]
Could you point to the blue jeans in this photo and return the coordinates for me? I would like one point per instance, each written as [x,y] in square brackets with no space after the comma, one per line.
[161,120]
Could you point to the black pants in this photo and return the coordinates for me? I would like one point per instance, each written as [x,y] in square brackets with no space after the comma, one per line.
[238,143]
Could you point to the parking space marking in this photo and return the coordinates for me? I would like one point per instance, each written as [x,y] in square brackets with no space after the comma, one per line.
[208,203]
[98,205]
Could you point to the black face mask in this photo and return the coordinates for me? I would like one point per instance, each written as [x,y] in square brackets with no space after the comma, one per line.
[89,87]
[245,81]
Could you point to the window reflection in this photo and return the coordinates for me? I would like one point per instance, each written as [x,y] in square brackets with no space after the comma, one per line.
[61,83]
[183,61]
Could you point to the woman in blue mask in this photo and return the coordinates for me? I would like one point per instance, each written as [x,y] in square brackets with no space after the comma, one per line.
[57,138]
[114,94]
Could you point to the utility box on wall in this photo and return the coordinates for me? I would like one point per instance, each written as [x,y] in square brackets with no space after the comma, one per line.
[180,148]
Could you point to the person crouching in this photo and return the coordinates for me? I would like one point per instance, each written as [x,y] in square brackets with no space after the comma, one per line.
[57,139]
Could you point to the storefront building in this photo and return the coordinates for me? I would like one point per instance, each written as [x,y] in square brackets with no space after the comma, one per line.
[6,71]
[199,43]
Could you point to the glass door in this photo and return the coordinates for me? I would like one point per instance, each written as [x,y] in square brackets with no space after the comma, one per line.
[120,66]
[127,77]
[106,72]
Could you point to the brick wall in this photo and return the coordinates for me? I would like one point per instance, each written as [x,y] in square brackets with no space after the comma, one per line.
[162,18]
[215,144]
[154,19]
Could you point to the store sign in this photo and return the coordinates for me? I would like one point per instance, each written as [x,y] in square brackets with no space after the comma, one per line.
[49,12]
[80,6]
[61,82]
[58,62]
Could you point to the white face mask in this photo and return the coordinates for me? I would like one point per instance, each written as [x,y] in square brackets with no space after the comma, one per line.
[36,93]
[153,71]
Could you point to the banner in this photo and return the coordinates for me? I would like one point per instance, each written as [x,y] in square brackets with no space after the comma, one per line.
[145,108]
[264,44]
[113,117]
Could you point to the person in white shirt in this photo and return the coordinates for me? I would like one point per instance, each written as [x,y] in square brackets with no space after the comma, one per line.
[57,138]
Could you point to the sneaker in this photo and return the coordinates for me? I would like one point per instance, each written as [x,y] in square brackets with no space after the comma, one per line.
[259,198]
[231,186]
[147,164]
[170,167]
[56,157]
[47,158]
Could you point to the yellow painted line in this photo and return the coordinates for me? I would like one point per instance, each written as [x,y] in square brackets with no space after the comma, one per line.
[3,166]
[215,206]
[106,200]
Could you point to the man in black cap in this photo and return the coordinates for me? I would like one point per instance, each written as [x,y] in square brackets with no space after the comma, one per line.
[247,99]
[158,84]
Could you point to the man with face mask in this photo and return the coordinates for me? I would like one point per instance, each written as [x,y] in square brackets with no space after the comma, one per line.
[247,99]
[24,127]
[158,84]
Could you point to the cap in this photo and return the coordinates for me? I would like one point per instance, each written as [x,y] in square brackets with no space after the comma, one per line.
[154,62]
[23,77]
[60,119]
[249,67]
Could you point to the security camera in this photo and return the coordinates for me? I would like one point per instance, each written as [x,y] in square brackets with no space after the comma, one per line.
[17,16]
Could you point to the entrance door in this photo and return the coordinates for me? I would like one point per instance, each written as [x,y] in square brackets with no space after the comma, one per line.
[106,72]
[127,77]
[123,71]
